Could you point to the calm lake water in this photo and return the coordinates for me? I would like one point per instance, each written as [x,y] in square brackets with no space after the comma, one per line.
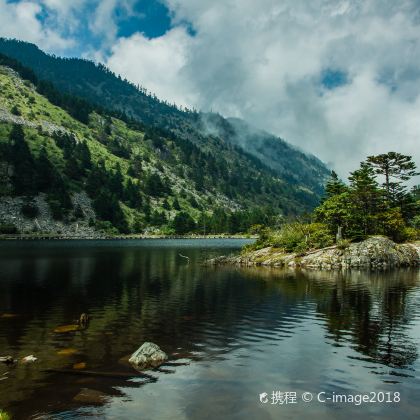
[243,332]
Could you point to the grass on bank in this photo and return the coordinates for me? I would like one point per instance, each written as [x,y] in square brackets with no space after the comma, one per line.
[299,237]
[4,415]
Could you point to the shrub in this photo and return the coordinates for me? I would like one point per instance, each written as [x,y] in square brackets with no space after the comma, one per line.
[15,110]
[57,211]
[78,212]
[106,227]
[8,229]
[296,237]
[4,415]
[183,223]
[343,244]
[411,234]
[30,210]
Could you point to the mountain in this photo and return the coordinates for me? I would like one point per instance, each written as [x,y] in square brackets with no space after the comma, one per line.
[288,162]
[81,147]
[99,85]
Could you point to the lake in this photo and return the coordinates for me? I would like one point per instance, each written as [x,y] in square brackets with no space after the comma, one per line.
[251,343]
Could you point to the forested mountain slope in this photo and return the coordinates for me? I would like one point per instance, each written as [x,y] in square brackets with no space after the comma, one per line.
[114,176]
[102,87]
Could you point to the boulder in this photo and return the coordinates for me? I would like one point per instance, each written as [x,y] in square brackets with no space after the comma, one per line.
[149,355]
[90,396]
[375,252]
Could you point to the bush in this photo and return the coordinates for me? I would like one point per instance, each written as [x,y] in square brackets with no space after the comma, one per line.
[30,210]
[296,237]
[4,415]
[343,244]
[15,110]
[8,229]
[106,227]
[57,212]
[183,223]
[411,234]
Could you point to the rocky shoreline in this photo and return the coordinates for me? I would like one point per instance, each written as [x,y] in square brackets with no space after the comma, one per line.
[376,252]
[98,236]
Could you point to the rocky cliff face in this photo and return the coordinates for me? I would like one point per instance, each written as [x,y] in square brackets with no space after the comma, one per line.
[374,253]
[44,223]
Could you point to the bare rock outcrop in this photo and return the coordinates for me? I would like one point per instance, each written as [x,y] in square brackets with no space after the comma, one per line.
[376,252]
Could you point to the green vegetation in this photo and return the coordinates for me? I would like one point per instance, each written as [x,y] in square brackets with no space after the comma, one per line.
[4,415]
[137,180]
[362,208]
[225,154]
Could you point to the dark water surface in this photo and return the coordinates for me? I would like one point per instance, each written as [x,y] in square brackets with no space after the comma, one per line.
[243,332]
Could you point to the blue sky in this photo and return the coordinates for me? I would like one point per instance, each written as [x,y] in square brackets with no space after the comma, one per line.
[338,78]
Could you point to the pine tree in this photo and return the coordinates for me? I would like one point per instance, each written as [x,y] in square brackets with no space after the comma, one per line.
[24,166]
[392,165]
[132,195]
[46,172]
[183,223]
[176,205]
[365,195]
[334,186]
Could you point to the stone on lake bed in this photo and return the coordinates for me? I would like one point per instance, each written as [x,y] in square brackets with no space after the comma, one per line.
[67,328]
[8,360]
[90,396]
[8,316]
[67,352]
[149,355]
[79,366]
[29,359]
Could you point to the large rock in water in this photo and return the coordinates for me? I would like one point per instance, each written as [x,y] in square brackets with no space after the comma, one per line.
[148,355]
[376,252]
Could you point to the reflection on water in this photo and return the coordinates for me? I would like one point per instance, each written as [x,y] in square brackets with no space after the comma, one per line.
[243,332]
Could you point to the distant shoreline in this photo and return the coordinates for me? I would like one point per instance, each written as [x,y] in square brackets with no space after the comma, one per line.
[47,237]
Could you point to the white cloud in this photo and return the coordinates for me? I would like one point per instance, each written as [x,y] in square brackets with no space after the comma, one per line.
[156,63]
[20,20]
[263,60]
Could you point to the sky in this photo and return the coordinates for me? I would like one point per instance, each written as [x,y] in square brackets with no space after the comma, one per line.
[339,79]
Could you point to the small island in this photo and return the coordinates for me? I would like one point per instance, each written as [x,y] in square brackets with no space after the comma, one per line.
[364,224]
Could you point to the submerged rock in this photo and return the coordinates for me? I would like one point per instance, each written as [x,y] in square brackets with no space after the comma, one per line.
[147,356]
[67,328]
[8,360]
[90,396]
[29,359]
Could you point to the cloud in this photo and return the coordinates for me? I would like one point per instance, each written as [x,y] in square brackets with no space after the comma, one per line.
[21,20]
[156,64]
[264,61]
[62,27]
[338,78]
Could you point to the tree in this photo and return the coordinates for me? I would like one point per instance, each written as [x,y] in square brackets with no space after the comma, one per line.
[155,186]
[116,184]
[158,218]
[132,195]
[82,152]
[364,209]
[23,162]
[45,171]
[336,212]
[175,204]
[334,186]
[108,208]
[183,223]
[392,165]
